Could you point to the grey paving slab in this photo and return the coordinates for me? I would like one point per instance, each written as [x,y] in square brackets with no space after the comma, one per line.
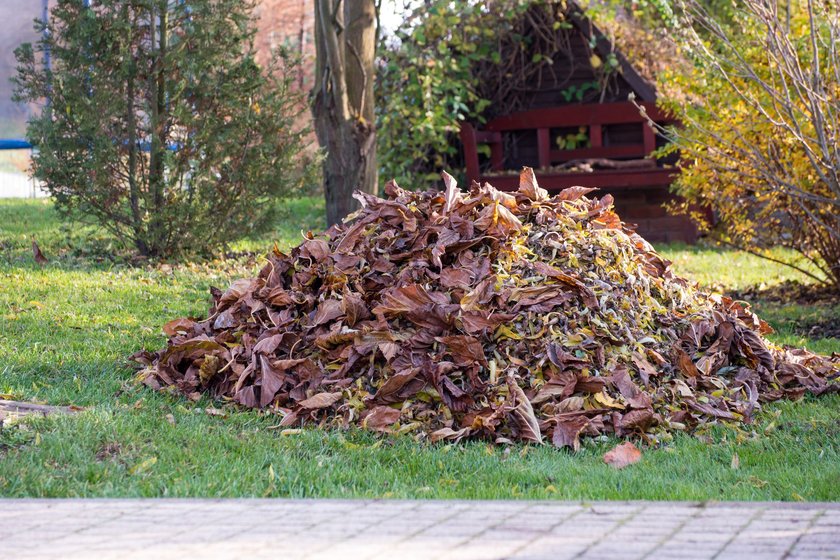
[446,530]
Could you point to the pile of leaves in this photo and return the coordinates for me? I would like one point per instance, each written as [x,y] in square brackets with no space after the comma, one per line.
[509,316]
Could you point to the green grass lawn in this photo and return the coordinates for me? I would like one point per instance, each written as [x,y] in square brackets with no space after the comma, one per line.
[67,327]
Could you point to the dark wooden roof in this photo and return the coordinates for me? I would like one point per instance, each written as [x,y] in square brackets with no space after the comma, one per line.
[550,85]
[642,88]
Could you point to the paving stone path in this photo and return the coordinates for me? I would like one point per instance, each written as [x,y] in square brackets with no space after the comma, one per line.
[449,530]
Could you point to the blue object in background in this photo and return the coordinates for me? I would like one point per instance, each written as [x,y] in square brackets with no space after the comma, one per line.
[13,144]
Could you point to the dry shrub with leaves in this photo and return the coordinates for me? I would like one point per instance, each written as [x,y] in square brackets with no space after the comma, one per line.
[509,316]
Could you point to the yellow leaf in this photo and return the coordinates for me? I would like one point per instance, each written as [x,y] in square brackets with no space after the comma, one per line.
[209,368]
[574,340]
[142,466]
[503,331]
[607,400]
[595,61]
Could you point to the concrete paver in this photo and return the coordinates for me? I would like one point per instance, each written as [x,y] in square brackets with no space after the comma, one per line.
[446,530]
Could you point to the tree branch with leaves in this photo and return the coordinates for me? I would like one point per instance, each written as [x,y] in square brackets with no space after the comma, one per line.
[761,146]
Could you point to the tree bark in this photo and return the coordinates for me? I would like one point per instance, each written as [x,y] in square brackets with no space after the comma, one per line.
[158,124]
[131,124]
[343,102]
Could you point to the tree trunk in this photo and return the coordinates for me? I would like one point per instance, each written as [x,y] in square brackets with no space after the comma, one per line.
[343,102]
[157,150]
[131,124]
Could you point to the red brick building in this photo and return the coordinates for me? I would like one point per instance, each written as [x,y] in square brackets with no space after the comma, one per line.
[290,23]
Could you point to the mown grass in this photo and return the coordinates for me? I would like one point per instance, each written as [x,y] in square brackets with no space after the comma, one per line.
[67,327]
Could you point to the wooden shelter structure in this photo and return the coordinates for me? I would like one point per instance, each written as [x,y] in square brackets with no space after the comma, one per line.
[574,124]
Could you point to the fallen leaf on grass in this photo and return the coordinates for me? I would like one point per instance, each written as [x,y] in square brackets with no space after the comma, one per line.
[757,482]
[108,451]
[321,400]
[37,254]
[381,418]
[143,466]
[622,455]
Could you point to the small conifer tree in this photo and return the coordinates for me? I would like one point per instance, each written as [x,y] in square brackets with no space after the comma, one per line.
[158,123]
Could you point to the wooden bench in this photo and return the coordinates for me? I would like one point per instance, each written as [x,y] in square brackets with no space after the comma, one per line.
[596,119]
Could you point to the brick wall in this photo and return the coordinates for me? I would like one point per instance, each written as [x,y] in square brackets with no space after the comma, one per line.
[287,22]
[290,23]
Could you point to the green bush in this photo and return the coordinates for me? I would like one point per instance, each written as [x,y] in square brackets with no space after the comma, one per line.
[429,82]
[159,123]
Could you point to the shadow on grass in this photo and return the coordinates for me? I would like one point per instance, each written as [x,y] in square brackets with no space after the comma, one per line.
[76,244]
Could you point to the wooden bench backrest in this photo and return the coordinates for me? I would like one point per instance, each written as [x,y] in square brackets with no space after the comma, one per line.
[593,116]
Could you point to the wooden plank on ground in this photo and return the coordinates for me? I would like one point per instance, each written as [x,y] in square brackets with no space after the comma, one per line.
[18,409]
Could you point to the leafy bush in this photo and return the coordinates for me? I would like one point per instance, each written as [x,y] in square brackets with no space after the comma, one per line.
[452,62]
[760,146]
[159,124]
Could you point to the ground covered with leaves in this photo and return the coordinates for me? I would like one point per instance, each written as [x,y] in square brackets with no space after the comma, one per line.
[66,325]
[501,316]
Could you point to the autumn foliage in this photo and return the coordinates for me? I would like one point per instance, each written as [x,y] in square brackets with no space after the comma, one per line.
[759,140]
[508,316]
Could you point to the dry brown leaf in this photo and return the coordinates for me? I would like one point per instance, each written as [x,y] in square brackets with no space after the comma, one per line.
[452,192]
[381,418]
[321,400]
[529,187]
[574,193]
[567,432]
[37,254]
[622,455]
[178,326]
[529,426]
